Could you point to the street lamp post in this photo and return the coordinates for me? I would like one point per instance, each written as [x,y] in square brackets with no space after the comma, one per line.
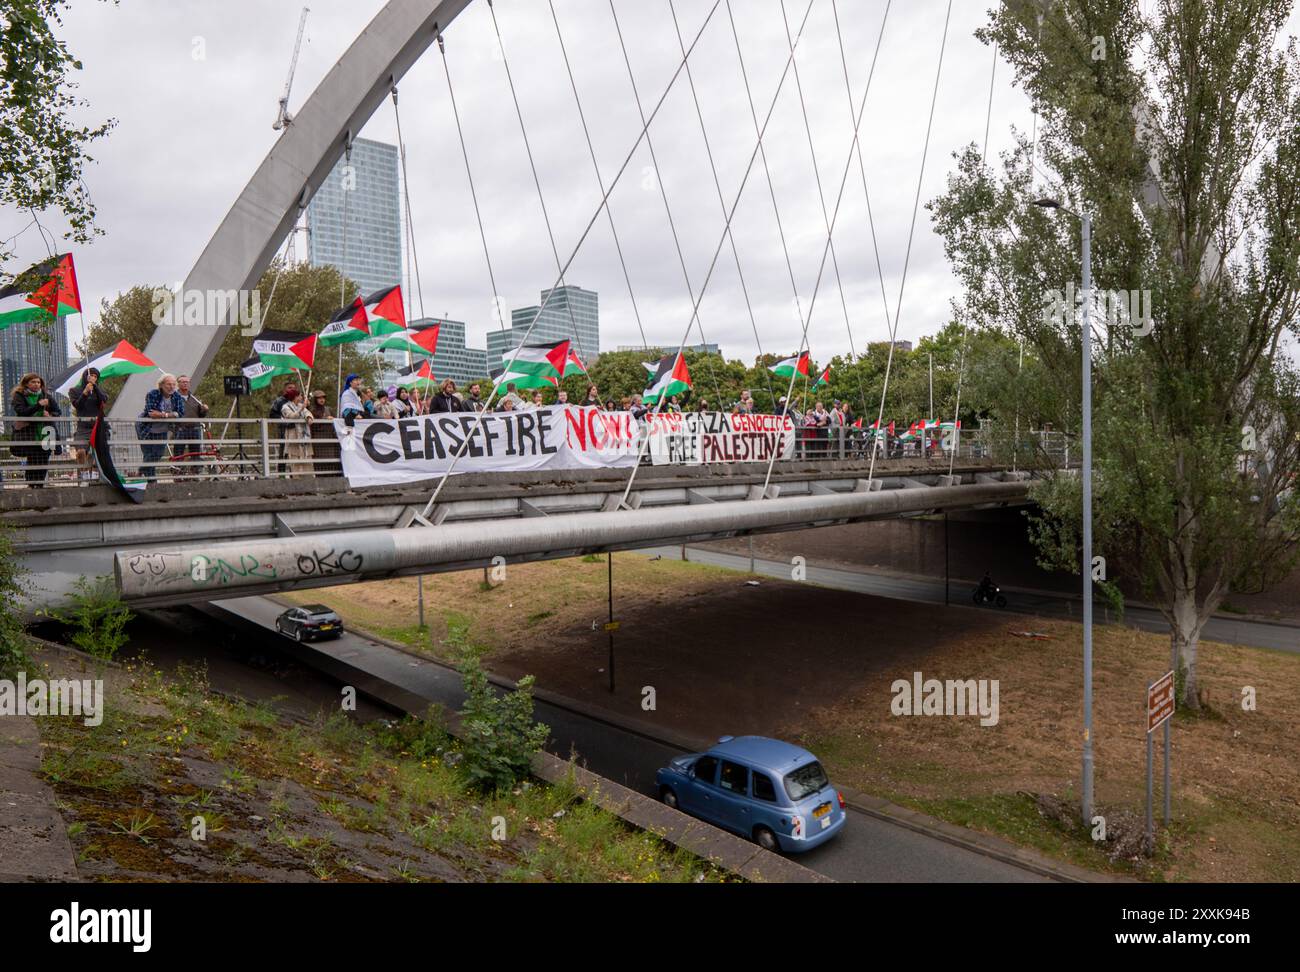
[1086,422]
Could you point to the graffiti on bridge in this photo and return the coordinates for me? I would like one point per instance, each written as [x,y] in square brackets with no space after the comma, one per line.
[208,570]
[328,563]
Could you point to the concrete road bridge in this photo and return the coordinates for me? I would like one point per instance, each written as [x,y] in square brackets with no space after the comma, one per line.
[201,541]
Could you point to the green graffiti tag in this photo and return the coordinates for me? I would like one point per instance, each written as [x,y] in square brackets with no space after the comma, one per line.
[209,570]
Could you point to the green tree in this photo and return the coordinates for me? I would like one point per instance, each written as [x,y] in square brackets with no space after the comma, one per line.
[305,298]
[1179,132]
[42,150]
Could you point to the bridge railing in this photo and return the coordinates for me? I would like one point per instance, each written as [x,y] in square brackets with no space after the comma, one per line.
[55,451]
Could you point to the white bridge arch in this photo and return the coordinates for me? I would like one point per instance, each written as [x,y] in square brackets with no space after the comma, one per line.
[251,233]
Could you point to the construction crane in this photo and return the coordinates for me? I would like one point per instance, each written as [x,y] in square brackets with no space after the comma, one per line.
[284,119]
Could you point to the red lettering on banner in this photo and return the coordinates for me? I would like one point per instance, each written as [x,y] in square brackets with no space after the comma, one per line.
[576,427]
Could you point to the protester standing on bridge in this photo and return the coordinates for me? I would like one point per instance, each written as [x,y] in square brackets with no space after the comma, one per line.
[324,447]
[639,407]
[403,407]
[384,409]
[350,408]
[593,397]
[512,396]
[446,400]
[30,400]
[187,437]
[163,402]
[561,397]
[297,434]
[88,403]
[474,403]
[276,414]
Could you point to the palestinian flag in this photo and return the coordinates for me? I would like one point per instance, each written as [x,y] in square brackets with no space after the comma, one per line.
[40,292]
[122,359]
[535,365]
[875,427]
[259,373]
[348,325]
[384,311]
[825,379]
[670,378]
[417,340]
[285,349]
[417,376]
[502,378]
[132,489]
[791,366]
[573,365]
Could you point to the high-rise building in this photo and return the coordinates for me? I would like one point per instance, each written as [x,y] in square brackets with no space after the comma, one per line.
[660,350]
[453,359]
[571,312]
[369,253]
[22,350]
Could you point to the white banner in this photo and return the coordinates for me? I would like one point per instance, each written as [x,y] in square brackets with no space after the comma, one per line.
[695,438]
[378,452]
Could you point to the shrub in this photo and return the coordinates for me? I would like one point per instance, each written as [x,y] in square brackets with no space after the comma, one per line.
[98,618]
[499,737]
[13,640]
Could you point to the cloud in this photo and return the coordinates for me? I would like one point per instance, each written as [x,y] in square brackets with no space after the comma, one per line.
[194,87]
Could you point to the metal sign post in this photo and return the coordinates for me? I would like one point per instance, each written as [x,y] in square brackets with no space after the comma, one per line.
[1160,708]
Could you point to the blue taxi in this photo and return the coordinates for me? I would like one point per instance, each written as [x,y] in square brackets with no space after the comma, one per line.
[770,791]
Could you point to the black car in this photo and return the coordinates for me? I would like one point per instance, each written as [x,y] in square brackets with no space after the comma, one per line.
[308,622]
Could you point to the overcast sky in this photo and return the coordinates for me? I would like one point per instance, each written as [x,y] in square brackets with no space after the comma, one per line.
[191,130]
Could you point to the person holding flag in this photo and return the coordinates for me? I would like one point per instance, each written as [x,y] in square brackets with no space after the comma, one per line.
[88,403]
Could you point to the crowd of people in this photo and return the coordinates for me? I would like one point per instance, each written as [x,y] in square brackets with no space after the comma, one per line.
[306,443]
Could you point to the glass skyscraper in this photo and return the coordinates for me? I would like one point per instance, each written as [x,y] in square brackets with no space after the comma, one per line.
[453,359]
[372,188]
[571,312]
[22,350]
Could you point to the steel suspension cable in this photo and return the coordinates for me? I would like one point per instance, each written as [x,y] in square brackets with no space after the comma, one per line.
[577,246]
[862,171]
[839,198]
[717,184]
[663,194]
[541,198]
[406,192]
[758,146]
[771,188]
[916,203]
[609,210]
[821,198]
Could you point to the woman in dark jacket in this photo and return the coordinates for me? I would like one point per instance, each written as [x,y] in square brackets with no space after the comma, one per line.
[30,402]
[88,403]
